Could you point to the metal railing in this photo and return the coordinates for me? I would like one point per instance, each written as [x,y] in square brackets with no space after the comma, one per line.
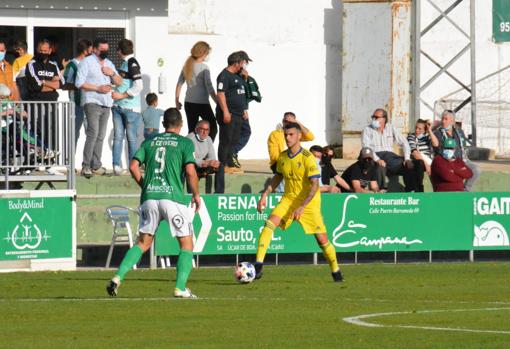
[35,137]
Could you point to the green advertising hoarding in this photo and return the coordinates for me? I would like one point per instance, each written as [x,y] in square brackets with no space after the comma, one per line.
[501,20]
[36,228]
[491,221]
[230,224]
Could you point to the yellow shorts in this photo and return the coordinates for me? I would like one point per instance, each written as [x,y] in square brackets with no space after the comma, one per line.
[310,220]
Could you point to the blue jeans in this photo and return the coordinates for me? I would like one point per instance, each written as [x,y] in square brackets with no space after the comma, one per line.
[125,123]
[79,116]
[149,134]
[244,137]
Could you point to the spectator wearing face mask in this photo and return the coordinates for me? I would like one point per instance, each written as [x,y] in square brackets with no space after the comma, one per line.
[421,143]
[96,74]
[380,136]
[6,73]
[448,171]
[328,172]
[231,109]
[43,78]
[448,130]
[361,176]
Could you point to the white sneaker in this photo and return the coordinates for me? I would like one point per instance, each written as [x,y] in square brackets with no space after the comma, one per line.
[184,294]
[54,171]
[117,170]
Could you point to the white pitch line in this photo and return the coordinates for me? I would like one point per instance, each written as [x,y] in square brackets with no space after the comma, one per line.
[358,320]
[148,299]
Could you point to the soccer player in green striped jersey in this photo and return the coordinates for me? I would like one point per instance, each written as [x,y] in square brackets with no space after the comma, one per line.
[167,157]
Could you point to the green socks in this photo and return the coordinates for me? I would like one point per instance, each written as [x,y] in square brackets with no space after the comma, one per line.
[184,266]
[130,259]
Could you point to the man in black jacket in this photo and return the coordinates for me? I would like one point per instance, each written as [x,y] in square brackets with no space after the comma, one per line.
[43,79]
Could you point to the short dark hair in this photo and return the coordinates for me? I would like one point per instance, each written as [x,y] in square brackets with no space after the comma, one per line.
[289,113]
[290,125]
[21,44]
[151,98]
[234,58]
[421,121]
[45,41]
[125,46]
[172,118]
[82,45]
[99,41]
[316,148]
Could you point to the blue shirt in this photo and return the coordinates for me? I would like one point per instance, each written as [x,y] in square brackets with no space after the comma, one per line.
[89,71]
[151,117]
[130,72]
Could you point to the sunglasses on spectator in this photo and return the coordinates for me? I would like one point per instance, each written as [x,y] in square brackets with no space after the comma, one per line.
[203,129]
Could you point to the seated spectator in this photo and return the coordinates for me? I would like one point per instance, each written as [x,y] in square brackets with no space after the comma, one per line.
[16,141]
[448,130]
[448,171]
[151,116]
[205,157]
[421,143]
[361,176]
[328,172]
[380,136]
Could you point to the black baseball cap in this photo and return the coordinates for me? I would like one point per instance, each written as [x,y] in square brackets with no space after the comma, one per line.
[245,56]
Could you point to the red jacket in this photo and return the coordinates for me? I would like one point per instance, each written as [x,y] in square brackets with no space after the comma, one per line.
[449,175]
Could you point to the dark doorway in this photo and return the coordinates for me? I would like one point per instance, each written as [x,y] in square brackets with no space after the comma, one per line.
[9,34]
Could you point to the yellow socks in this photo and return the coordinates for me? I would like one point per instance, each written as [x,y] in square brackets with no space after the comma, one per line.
[264,240]
[330,254]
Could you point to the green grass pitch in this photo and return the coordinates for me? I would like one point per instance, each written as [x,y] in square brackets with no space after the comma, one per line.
[450,305]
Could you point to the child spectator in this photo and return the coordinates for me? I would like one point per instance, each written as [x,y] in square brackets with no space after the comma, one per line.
[151,116]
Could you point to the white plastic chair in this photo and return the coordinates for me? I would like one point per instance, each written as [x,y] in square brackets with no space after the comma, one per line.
[122,234]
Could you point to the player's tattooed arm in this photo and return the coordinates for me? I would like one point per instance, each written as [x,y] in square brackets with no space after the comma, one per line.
[275,181]
[309,197]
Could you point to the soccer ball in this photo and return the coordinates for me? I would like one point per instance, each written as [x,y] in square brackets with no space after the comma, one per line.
[244,272]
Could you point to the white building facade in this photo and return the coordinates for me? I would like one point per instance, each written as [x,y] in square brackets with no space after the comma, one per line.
[296,47]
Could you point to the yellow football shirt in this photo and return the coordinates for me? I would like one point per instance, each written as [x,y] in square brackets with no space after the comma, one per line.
[20,63]
[297,170]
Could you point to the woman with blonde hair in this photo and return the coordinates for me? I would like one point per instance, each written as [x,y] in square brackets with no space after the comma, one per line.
[197,76]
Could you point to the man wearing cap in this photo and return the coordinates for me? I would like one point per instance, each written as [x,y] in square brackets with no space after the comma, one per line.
[231,109]
[252,94]
[446,131]
[361,176]
[380,136]
[448,171]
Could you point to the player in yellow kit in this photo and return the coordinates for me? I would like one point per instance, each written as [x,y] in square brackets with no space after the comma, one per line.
[301,200]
